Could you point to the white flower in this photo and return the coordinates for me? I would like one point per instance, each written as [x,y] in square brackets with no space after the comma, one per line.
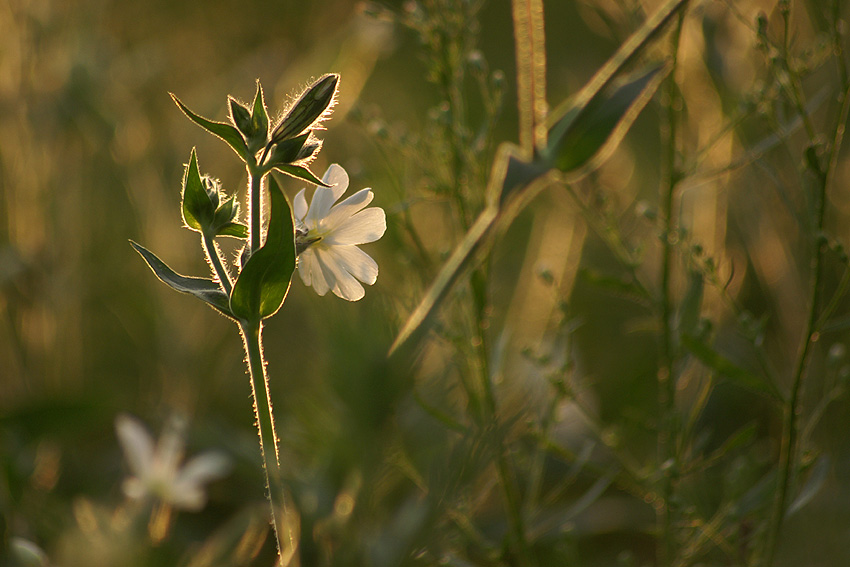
[156,471]
[331,234]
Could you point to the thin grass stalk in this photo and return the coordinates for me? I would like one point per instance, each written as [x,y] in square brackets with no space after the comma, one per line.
[667,455]
[530,46]
[791,423]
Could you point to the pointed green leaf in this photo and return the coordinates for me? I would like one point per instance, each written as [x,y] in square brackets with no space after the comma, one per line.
[235,229]
[224,131]
[197,208]
[259,116]
[241,117]
[312,103]
[300,172]
[204,289]
[626,54]
[585,136]
[263,283]
[286,151]
[452,269]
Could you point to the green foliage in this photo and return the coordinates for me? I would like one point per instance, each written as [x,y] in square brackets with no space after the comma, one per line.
[619,334]
[262,284]
[224,131]
[204,289]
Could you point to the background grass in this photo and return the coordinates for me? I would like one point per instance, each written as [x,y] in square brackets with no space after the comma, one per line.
[92,155]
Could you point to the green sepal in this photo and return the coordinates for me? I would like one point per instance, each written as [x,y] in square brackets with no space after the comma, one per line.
[225,224]
[312,103]
[584,136]
[300,172]
[241,118]
[224,131]
[259,119]
[286,151]
[198,208]
[204,289]
[310,149]
[264,281]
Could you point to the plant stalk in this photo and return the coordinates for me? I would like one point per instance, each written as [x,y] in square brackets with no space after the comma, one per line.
[667,454]
[214,257]
[252,338]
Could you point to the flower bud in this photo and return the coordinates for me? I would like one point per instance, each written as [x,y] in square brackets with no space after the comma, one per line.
[308,109]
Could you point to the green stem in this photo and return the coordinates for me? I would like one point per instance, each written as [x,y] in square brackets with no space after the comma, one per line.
[252,338]
[667,454]
[214,257]
[255,213]
[790,433]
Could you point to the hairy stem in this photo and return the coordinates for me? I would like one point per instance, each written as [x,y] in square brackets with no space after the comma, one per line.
[255,186]
[212,252]
[252,338]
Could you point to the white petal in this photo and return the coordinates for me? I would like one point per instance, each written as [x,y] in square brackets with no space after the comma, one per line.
[324,197]
[337,178]
[203,468]
[299,205]
[136,443]
[340,212]
[169,448]
[342,283]
[311,272]
[357,263]
[190,498]
[366,226]
[134,489]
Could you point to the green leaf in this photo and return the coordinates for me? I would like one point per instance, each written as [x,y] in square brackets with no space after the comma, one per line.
[586,135]
[198,210]
[456,265]
[626,54]
[561,118]
[513,178]
[263,283]
[235,229]
[286,151]
[225,223]
[224,131]
[300,172]
[728,369]
[241,118]
[259,116]
[312,103]
[204,289]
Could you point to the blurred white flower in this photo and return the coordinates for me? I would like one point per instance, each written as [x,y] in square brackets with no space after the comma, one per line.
[155,469]
[328,235]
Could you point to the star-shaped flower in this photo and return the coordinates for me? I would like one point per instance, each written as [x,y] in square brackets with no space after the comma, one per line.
[328,235]
[156,471]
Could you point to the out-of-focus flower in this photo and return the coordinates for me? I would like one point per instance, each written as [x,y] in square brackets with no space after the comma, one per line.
[156,470]
[328,235]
